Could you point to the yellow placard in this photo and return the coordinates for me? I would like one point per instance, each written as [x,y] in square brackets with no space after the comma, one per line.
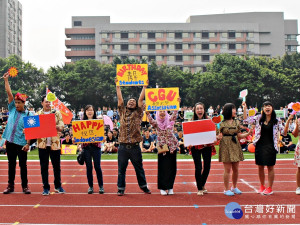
[68,149]
[88,131]
[161,99]
[132,74]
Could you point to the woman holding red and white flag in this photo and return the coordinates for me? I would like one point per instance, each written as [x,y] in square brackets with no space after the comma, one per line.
[204,150]
[230,151]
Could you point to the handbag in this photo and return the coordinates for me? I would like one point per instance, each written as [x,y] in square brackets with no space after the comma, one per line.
[80,157]
[162,149]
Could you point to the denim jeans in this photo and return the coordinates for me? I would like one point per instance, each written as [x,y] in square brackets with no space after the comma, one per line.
[132,152]
[44,162]
[93,152]
[13,151]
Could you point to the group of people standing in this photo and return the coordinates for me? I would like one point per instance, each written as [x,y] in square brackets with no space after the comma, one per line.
[267,129]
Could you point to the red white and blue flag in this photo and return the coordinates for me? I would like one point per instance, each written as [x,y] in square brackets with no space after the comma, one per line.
[41,126]
[199,132]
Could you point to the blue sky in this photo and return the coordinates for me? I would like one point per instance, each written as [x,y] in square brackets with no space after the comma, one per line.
[44,21]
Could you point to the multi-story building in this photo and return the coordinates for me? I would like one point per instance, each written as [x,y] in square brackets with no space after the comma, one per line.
[189,45]
[10,28]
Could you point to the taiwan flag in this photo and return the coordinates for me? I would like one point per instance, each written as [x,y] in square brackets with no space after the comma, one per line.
[41,126]
[199,132]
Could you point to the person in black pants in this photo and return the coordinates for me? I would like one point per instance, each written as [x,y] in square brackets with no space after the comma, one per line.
[92,152]
[16,145]
[201,173]
[50,147]
[129,138]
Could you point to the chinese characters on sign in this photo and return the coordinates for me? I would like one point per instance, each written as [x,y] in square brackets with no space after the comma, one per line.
[132,74]
[88,131]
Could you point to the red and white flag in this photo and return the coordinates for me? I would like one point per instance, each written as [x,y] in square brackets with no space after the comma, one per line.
[199,132]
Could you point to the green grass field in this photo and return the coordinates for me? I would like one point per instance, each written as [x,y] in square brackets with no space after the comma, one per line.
[33,155]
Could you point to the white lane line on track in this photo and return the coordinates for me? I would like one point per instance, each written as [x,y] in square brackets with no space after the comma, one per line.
[249,185]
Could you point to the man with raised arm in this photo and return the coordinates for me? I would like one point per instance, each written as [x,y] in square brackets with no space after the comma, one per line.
[129,138]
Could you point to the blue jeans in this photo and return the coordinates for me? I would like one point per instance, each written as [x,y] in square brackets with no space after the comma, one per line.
[94,152]
[132,152]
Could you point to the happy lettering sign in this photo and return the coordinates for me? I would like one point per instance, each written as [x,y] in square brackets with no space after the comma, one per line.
[132,74]
[161,99]
[88,131]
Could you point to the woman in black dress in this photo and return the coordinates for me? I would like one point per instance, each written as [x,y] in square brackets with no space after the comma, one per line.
[267,129]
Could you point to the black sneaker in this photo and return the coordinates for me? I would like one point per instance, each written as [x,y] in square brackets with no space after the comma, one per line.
[101,190]
[90,190]
[146,190]
[9,189]
[120,192]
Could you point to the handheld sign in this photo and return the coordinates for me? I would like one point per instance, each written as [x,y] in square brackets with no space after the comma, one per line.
[132,74]
[252,112]
[217,119]
[68,149]
[13,72]
[243,94]
[88,131]
[51,97]
[188,115]
[41,126]
[161,99]
[279,113]
[199,132]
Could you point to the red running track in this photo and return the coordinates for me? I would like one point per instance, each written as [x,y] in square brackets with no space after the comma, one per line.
[185,207]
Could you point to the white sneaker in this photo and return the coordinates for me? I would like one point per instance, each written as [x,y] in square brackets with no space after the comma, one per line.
[298,191]
[170,192]
[163,192]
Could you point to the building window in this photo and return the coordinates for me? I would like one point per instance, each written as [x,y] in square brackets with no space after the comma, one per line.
[291,37]
[159,35]
[104,58]
[224,46]
[198,69]
[132,47]
[178,46]
[185,46]
[144,47]
[151,35]
[117,47]
[204,69]
[205,58]
[224,35]
[197,35]
[151,47]
[197,58]
[124,47]
[231,46]
[185,35]
[151,58]
[178,58]
[205,35]
[178,35]
[213,46]
[124,35]
[186,58]
[159,46]
[251,46]
[171,58]
[238,35]
[131,35]
[171,46]
[104,47]
[212,35]
[250,35]
[159,58]
[124,57]
[144,35]
[291,48]
[77,23]
[171,35]
[198,46]
[117,35]
[205,46]
[104,35]
[231,34]
[239,46]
